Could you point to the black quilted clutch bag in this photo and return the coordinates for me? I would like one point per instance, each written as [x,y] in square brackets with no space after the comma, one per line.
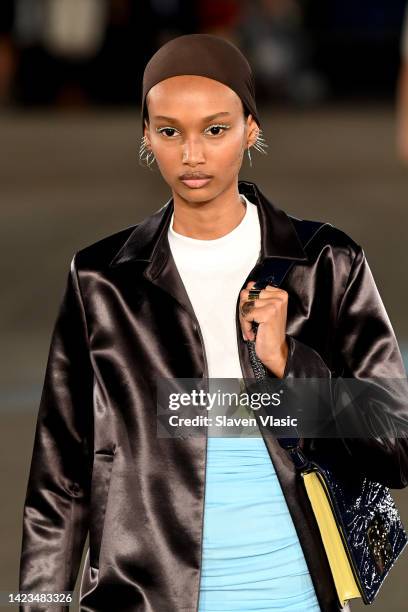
[359,524]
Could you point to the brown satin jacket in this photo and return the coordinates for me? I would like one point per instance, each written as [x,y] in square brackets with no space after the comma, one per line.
[98,465]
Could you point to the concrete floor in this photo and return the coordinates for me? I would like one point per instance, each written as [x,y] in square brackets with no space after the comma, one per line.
[67,180]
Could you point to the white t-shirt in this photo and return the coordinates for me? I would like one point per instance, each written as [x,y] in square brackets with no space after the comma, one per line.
[213,272]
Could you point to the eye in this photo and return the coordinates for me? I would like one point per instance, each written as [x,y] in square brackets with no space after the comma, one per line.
[166,129]
[217,126]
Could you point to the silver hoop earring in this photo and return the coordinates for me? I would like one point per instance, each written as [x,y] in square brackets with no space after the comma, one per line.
[249,156]
[145,153]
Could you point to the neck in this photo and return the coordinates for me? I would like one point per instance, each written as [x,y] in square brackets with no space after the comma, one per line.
[211,219]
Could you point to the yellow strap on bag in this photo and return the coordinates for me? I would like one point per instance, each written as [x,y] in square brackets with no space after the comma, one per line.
[343,576]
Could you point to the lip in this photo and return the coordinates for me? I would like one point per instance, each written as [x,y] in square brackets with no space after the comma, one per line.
[196,183]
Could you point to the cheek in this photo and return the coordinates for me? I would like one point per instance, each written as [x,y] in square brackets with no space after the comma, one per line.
[166,151]
[226,154]
[168,159]
[231,161]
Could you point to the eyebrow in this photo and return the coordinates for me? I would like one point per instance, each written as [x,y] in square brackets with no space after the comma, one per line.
[209,118]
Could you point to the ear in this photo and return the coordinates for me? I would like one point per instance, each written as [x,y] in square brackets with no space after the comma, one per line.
[252,131]
[146,133]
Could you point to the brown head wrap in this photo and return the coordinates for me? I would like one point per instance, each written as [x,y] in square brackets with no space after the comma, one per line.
[203,55]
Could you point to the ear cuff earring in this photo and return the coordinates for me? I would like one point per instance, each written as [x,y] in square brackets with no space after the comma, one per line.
[146,156]
[259,144]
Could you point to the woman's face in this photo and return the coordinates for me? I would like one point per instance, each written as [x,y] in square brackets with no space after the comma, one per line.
[198,134]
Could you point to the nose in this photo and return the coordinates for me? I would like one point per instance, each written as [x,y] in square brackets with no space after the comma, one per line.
[192,152]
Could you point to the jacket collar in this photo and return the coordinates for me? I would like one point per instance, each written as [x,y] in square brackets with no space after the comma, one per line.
[148,241]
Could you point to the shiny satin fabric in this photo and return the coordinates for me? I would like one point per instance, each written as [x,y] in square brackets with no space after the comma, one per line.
[97,463]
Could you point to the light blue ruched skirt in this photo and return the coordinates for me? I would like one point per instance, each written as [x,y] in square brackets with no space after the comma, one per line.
[252,559]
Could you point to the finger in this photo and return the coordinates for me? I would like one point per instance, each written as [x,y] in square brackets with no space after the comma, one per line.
[265,293]
[245,321]
[250,312]
[260,312]
[246,327]
[262,299]
[247,307]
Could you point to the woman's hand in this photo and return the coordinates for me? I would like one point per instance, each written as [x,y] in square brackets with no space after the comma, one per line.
[270,311]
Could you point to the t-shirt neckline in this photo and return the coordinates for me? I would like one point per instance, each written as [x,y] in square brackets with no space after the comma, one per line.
[215,241]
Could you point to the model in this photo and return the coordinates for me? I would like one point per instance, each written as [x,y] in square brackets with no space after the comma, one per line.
[196,524]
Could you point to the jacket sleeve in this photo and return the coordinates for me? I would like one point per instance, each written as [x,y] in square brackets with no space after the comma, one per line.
[366,345]
[55,515]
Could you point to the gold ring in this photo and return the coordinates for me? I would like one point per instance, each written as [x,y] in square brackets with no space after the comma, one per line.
[254,294]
